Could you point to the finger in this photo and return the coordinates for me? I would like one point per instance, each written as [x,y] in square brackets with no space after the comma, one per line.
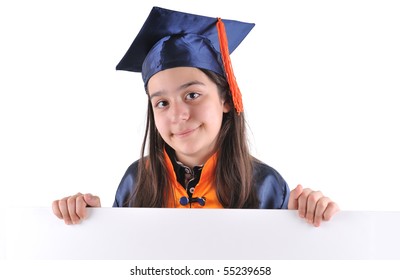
[56,209]
[330,211]
[71,204]
[81,207]
[62,206]
[302,202]
[83,201]
[91,200]
[311,204]
[293,197]
[320,209]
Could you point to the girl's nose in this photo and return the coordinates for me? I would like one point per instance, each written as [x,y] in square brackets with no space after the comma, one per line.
[179,112]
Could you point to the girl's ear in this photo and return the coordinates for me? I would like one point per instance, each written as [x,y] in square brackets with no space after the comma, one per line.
[227,106]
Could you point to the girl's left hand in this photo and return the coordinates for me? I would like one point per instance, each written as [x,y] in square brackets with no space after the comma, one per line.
[312,205]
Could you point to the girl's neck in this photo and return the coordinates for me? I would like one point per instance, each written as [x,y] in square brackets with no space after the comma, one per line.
[191,161]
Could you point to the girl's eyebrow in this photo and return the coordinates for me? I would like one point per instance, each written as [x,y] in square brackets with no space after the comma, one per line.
[188,84]
[181,87]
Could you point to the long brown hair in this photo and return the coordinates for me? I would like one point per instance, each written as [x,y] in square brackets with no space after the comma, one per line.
[233,174]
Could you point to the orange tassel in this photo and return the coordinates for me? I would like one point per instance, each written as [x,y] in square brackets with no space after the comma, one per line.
[226,60]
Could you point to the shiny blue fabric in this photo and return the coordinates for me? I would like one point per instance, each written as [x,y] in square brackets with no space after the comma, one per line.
[189,50]
[171,38]
[272,190]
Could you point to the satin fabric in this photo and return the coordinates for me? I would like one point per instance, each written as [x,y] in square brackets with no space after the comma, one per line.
[272,190]
[190,50]
[171,38]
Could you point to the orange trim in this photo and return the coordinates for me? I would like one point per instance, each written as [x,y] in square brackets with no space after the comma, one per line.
[205,187]
[230,76]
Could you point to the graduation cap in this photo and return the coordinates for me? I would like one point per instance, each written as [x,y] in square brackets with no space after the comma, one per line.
[171,39]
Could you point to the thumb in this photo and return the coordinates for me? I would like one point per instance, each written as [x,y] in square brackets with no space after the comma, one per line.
[91,200]
[294,195]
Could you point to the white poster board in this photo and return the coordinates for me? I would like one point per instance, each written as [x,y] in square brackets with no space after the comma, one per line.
[200,234]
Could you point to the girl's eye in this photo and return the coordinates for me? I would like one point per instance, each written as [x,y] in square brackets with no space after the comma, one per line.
[161,104]
[192,95]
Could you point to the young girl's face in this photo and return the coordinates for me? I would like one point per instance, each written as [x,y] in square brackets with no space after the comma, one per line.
[188,112]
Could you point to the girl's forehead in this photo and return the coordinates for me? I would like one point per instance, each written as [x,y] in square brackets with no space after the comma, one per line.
[177,77]
[178,80]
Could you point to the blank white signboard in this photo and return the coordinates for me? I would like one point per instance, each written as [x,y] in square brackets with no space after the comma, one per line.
[199,234]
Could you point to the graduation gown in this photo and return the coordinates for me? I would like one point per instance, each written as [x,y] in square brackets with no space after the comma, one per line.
[272,190]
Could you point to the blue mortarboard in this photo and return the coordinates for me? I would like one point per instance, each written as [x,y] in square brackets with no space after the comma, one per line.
[172,39]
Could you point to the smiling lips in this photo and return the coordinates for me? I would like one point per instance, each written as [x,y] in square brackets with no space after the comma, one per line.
[184,133]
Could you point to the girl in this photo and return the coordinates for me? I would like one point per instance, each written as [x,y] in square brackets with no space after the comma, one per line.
[198,155]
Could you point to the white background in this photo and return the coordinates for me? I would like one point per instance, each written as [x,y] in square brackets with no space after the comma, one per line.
[319,80]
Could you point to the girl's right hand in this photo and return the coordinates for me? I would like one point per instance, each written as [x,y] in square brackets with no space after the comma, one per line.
[72,209]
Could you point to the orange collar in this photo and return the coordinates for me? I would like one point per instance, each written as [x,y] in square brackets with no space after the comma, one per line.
[205,188]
